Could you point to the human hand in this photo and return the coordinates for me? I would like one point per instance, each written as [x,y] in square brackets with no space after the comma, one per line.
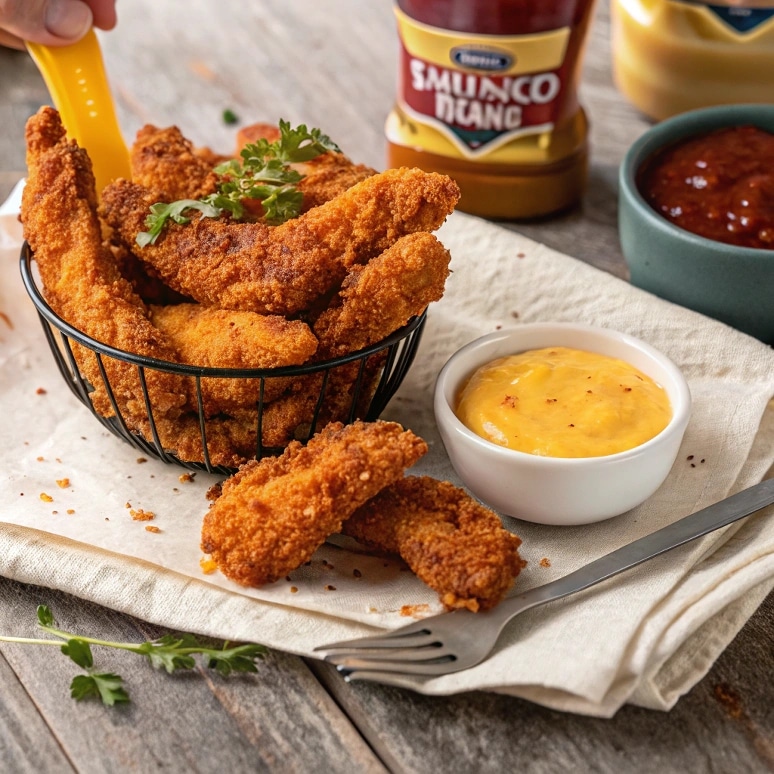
[52,22]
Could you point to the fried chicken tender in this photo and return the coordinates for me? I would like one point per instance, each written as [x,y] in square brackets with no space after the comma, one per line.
[340,394]
[450,541]
[80,278]
[166,162]
[218,338]
[274,513]
[375,300]
[325,176]
[231,441]
[283,269]
[383,295]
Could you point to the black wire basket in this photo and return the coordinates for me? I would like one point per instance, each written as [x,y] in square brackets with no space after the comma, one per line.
[377,371]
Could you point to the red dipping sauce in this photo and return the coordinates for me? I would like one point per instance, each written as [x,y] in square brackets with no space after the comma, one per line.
[719,185]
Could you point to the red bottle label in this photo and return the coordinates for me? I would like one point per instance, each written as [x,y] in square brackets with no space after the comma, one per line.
[470,95]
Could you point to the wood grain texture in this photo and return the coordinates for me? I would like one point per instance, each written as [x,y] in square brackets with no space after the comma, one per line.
[279,719]
[332,65]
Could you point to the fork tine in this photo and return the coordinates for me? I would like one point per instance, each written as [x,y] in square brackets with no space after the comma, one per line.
[386,678]
[427,654]
[352,666]
[386,640]
[395,638]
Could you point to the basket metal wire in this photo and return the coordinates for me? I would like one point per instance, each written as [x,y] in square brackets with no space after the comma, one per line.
[397,352]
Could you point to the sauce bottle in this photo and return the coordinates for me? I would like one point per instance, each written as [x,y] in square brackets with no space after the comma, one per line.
[670,56]
[487,94]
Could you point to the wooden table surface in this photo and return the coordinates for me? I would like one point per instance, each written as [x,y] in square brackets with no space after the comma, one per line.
[332,64]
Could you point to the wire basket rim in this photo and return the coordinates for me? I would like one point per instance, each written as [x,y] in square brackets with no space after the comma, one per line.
[43,308]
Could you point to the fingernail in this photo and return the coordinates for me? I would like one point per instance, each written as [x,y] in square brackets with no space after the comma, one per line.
[68,19]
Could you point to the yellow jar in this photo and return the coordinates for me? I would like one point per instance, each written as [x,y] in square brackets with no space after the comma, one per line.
[671,56]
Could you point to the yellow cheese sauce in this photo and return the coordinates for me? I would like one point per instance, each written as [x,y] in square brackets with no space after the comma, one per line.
[561,402]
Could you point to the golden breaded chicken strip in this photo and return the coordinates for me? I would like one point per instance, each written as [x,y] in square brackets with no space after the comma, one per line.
[347,391]
[80,277]
[327,176]
[383,295]
[231,441]
[283,269]
[218,338]
[274,514]
[167,163]
[453,543]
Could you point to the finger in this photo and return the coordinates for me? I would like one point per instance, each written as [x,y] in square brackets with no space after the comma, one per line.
[49,22]
[104,13]
[10,41]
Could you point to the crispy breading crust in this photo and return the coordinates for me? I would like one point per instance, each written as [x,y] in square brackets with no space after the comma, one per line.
[167,162]
[274,513]
[283,269]
[454,544]
[219,338]
[80,277]
[382,296]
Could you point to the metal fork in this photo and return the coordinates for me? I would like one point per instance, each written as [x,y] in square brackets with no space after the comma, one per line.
[458,640]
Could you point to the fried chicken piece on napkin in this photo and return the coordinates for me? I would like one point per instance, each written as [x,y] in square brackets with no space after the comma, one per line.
[274,513]
[450,541]
[283,269]
[81,280]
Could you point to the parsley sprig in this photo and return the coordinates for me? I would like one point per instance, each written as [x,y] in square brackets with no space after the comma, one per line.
[262,172]
[170,652]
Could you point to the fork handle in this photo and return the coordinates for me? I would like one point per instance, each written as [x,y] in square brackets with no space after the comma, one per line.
[682,531]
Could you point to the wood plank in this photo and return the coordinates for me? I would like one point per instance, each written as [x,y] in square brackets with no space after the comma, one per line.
[279,719]
[26,744]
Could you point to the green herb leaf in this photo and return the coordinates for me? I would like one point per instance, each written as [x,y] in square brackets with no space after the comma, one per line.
[160,213]
[240,658]
[302,144]
[166,652]
[45,616]
[230,117]
[79,651]
[171,652]
[106,686]
[263,173]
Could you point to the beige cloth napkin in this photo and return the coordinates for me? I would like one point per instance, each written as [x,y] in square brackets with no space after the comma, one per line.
[68,488]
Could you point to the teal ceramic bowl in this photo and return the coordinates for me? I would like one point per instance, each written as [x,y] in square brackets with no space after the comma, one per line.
[732,284]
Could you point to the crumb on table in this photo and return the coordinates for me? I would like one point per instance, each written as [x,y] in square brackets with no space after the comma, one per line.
[208,565]
[140,515]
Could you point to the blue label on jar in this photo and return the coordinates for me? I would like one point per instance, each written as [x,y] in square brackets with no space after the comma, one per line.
[742,19]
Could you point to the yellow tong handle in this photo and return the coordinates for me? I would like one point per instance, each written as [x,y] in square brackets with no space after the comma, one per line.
[75,77]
